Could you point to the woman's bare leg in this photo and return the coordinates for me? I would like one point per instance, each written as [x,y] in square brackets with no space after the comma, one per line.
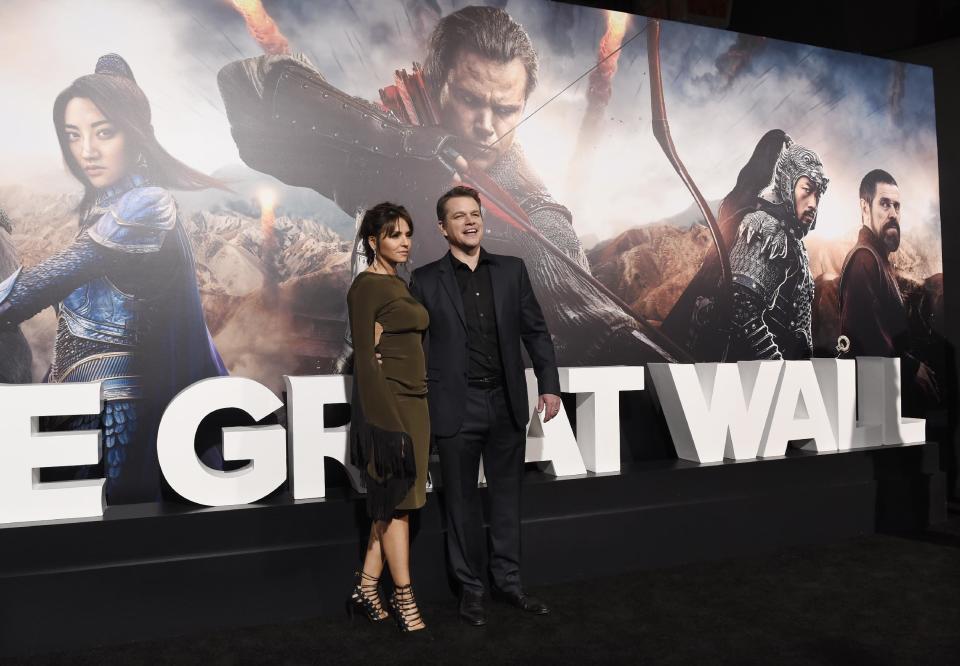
[396,548]
[373,567]
[373,560]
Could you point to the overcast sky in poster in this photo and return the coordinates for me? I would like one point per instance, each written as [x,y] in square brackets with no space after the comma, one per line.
[859,113]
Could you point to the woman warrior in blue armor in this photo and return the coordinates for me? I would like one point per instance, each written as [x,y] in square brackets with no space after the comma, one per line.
[125,291]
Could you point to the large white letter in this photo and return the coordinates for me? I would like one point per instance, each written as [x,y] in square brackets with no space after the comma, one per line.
[799,413]
[309,441]
[263,446]
[552,441]
[598,410]
[730,423]
[878,400]
[25,450]
[838,384]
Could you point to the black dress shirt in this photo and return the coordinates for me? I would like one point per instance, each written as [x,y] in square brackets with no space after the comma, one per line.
[477,293]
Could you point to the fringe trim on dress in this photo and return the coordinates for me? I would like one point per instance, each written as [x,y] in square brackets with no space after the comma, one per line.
[387,461]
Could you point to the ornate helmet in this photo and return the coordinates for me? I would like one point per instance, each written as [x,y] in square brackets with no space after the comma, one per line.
[795,161]
[113,64]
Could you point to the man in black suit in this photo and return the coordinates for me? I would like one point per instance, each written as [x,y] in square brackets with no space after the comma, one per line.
[481,307]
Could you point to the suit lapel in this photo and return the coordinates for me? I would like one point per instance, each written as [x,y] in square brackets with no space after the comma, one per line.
[449,282]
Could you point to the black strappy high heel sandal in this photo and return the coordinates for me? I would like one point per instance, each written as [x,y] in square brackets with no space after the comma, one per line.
[365,598]
[405,610]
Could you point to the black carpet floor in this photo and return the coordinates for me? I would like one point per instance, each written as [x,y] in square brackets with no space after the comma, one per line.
[884,599]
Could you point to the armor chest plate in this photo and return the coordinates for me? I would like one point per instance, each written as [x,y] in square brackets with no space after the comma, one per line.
[790,317]
[99,311]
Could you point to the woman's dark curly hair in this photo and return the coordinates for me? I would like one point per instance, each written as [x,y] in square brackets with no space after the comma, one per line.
[380,221]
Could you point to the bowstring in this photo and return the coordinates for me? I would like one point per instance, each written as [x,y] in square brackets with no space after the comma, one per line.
[571,84]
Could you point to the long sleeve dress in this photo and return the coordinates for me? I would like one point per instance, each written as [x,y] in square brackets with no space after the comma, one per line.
[390,424]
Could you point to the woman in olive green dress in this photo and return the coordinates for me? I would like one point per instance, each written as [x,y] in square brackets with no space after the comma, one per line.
[389,424]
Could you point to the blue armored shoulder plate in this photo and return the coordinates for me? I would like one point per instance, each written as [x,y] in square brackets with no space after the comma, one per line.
[138,222]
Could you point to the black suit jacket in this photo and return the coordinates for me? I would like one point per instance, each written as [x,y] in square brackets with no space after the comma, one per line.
[519,318]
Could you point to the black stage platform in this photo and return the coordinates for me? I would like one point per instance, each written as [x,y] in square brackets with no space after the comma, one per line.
[146,571]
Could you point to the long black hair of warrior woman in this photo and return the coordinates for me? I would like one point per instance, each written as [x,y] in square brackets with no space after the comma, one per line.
[114,90]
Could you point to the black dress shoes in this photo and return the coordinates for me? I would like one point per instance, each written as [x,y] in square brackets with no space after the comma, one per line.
[523,601]
[471,609]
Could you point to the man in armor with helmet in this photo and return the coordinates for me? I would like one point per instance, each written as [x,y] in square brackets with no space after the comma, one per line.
[771,281]
[764,310]
[454,120]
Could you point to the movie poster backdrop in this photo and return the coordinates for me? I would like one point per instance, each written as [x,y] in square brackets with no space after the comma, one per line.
[678,193]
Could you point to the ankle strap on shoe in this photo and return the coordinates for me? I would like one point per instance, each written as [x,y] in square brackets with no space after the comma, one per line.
[364,576]
[405,606]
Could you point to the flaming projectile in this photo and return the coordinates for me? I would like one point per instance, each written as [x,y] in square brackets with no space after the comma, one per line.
[599,91]
[262,27]
[268,199]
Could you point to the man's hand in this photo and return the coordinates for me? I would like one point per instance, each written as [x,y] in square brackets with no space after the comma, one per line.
[462,167]
[552,404]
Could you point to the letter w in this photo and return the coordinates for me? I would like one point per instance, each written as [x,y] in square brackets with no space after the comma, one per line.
[716,410]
